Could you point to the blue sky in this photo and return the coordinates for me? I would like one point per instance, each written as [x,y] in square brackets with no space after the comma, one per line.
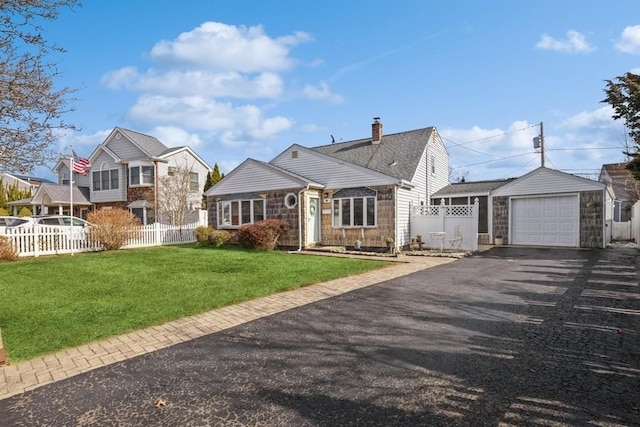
[236,79]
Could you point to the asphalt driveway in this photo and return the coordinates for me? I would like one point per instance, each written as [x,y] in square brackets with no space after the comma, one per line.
[509,337]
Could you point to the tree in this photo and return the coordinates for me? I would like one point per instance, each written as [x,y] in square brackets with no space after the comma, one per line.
[11,193]
[31,108]
[175,197]
[623,94]
[212,179]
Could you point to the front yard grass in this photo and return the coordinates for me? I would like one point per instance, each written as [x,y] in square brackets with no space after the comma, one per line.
[48,304]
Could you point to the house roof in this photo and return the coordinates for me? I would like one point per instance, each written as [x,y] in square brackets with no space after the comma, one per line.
[147,143]
[28,178]
[471,188]
[396,155]
[254,175]
[622,181]
[175,150]
[58,194]
[543,180]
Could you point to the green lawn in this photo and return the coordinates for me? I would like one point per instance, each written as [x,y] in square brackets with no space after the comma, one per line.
[48,304]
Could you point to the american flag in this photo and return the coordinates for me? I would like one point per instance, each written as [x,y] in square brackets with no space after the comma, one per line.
[79,164]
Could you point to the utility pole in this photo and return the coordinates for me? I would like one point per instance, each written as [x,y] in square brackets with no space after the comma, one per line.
[538,142]
[541,144]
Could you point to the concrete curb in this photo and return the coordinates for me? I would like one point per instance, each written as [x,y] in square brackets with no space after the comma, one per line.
[3,354]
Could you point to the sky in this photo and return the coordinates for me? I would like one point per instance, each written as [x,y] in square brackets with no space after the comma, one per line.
[242,79]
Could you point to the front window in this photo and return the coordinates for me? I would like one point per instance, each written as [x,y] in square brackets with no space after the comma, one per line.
[141,175]
[234,213]
[105,180]
[354,212]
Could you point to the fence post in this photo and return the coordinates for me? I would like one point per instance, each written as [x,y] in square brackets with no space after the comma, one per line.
[156,230]
[36,241]
[441,213]
[475,215]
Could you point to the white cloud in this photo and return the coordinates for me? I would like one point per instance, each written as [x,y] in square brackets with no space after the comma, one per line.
[236,125]
[219,46]
[196,82]
[600,118]
[579,144]
[202,81]
[173,136]
[630,40]
[321,92]
[574,43]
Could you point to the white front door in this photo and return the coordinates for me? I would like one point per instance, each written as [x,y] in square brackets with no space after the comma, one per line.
[313,221]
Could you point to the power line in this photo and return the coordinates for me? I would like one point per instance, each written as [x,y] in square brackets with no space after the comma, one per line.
[585,148]
[495,160]
[460,144]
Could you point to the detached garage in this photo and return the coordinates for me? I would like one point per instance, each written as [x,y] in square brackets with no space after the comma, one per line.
[547,207]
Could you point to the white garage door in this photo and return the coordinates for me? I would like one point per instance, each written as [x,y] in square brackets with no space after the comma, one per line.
[545,221]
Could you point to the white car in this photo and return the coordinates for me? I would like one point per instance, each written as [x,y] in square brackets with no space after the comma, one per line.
[5,221]
[58,223]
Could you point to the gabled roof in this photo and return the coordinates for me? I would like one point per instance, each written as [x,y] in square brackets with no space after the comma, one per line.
[255,176]
[471,188]
[331,171]
[28,178]
[59,194]
[175,150]
[543,180]
[622,182]
[396,155]
[148,144]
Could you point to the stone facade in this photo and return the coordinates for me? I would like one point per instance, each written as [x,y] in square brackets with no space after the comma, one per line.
[276,209]
[372,237]
[501,218]
[591,219]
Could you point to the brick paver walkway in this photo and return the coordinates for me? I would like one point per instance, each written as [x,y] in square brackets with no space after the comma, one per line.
[28,375]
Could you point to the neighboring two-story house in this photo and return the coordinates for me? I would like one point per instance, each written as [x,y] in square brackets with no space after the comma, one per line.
[124,171]
[338,193]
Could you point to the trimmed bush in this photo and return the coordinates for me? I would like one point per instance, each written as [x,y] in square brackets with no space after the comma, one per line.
[262,235]
[218,238]
[112,228]
[203,233]
[4,212]
[7,252]
[24,212]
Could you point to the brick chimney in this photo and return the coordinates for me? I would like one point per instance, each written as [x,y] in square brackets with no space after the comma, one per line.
[376,131]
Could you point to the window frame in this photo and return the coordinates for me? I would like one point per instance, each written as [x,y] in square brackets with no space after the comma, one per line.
[110,174]
[142,175]
[345,209]
[232,213]
[194,182]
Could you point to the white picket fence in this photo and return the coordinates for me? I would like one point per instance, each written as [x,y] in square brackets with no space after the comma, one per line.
[43,240]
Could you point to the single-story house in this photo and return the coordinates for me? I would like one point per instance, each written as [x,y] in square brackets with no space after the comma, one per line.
[339,193]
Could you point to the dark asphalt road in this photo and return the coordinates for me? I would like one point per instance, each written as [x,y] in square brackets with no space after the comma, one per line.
[508,337]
